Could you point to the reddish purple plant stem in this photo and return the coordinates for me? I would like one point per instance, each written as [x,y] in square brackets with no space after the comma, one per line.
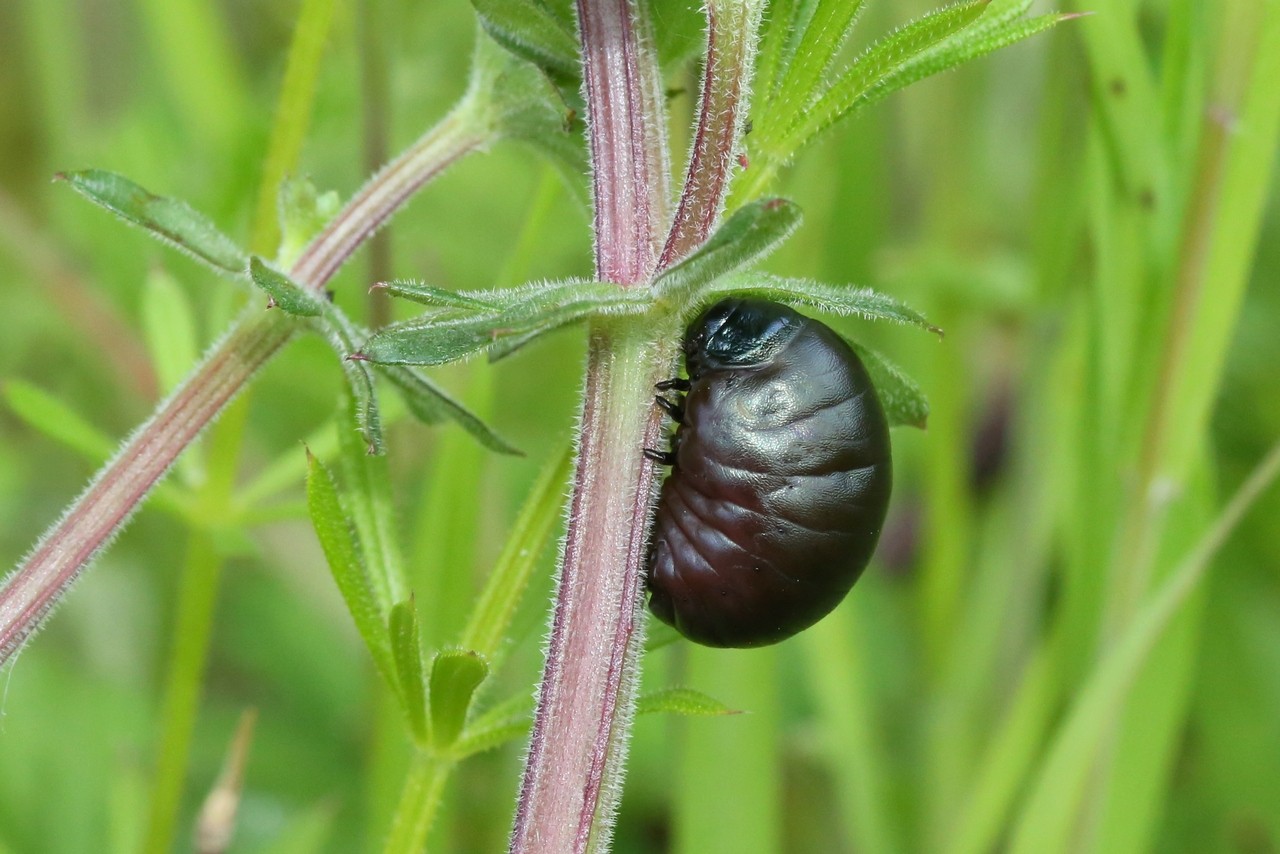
[726,78]
[102,510]
[573,770]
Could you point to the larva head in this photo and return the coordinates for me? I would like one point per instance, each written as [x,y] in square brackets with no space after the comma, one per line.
[737,333]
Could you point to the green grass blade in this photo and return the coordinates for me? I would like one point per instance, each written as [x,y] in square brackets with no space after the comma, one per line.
[1056,797]
[293,116]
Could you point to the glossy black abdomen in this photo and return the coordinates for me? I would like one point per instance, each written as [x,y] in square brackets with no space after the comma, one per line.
[781,480]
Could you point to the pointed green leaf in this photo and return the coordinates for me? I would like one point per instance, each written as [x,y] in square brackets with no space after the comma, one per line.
[425,294]
[879,62]
[432,404]
[969,45]
[532,32]
[455,675]
[369,501]
[332,323]
[172,221]
[834,299]
[285,294]
[429,341]
[541,308]
[747,237]
[406,649]
[776,49]
[682,701]
[57,420]
[903,401]
[826,31]
[342,552]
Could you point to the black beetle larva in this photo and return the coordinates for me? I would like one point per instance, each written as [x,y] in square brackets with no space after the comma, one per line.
[780,481]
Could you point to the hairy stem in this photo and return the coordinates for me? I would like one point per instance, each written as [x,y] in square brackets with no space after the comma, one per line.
[573,773]
[574,768]
[118,488]
[732,27]
[627,139]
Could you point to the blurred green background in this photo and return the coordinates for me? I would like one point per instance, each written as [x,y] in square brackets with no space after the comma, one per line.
[995,199]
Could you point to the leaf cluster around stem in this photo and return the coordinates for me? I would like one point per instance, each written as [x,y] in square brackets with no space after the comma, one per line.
[457,325]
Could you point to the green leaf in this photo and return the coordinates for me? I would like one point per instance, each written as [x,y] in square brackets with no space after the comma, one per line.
[303,213]
[493,613]
[826,31]
[455,675]
[682,701]
[967,46]
[534,33]
[476,741]
[406,649]
[341,333]
[834,299]
[285,294]
[747,237]
[57,420]
[879,62]
[903,401]
[342,552]
[779,35]
[372,510]
[431,405]
[538,309]
[507,721]
[172,221]
[425,294]
[169,327]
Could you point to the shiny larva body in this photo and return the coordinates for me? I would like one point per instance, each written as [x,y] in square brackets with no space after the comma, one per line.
[780,481]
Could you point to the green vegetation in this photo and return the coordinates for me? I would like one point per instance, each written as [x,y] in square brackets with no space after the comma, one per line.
[1069,638]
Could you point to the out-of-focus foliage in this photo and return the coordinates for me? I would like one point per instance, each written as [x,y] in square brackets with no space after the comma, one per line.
[1030,208]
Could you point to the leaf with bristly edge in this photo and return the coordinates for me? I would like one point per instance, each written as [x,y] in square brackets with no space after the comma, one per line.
[747,237]
[682,701]
[342,553]
[172,221]
[903,402]
[455,675]
[406,651]
[541,308]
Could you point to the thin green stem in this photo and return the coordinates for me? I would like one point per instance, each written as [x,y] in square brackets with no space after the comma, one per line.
[419,803]
[193,626]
